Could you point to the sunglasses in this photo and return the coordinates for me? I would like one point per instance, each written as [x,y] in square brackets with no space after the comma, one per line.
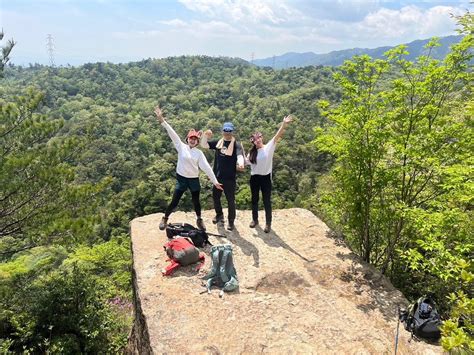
[227,130]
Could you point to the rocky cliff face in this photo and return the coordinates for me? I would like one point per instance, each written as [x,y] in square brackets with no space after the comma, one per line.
[301,291]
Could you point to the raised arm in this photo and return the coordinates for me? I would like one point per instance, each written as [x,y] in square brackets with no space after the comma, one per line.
[281,130]
[171,133]
[204,138]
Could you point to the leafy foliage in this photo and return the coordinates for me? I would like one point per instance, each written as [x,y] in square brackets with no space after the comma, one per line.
[53,303]
[6,50]
[39,192]
[401,188]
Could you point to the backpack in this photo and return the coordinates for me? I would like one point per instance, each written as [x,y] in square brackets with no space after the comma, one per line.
[181,251]
[222,272]
[422,319]
[199,237]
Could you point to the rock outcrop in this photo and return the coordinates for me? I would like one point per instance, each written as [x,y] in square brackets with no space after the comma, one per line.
[301,291]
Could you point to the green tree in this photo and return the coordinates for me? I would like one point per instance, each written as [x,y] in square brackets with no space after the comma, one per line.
[6,50]
[394,141]
[401,189]
[40,201]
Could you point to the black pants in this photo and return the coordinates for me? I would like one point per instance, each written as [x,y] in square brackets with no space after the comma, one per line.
[229,191]
[177,196]
[263,183]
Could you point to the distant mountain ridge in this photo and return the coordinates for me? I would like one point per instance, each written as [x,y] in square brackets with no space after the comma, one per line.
[335,58]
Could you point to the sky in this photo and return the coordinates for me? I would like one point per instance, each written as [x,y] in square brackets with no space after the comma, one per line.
[121,31]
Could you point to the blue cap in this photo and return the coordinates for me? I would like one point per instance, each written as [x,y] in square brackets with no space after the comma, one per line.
[228,127]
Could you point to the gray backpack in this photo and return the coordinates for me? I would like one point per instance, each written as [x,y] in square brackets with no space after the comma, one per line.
[222,273]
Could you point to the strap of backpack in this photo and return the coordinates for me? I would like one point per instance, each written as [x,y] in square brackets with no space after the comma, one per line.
[233,283]
[170,268]
[214,263]
[202,259]
[223,266]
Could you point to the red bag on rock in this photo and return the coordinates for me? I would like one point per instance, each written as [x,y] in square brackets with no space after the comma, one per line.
[181,251]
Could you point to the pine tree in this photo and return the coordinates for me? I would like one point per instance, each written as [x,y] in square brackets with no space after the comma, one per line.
[40,201]
[6,50]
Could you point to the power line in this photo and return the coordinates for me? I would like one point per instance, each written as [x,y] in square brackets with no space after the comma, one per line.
[50,49]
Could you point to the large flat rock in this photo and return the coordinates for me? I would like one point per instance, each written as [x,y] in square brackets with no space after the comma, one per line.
[301,291]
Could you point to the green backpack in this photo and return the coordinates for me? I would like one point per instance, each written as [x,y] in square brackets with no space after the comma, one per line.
[222,273]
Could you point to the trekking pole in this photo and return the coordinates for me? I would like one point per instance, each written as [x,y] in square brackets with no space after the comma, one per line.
[398,327]
[216,235]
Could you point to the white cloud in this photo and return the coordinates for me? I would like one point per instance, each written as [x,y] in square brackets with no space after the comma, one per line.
[384,27]
[250,11]
[409,21]
[174,23]
[236,31]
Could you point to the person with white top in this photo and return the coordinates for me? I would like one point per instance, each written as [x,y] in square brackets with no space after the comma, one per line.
[190,160]
[260,158]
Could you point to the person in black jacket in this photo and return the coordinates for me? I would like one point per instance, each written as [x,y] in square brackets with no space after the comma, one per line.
[228,159]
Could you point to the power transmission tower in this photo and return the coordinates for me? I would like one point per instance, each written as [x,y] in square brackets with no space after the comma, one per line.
[252,56]
[50,49]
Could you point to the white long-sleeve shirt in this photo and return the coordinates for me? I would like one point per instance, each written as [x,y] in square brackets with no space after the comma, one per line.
[190,160]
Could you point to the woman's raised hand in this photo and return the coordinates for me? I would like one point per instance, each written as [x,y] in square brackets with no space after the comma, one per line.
[287,119]
[159,114]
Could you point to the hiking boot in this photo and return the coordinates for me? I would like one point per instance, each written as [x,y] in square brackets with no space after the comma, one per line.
[163,223]
[218,218]
[230,226]
[253,224]
[268,228]
[200,224]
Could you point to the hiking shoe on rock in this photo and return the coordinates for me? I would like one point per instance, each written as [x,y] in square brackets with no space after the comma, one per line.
[230,226]
[200,224]
[217,219]
[253,224]
[163,223]
[268,228]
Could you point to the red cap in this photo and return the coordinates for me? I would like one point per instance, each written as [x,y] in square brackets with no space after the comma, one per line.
[193,133]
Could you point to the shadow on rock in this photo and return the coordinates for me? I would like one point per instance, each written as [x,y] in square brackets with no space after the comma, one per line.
[273,240]
[246,247]
[361,278]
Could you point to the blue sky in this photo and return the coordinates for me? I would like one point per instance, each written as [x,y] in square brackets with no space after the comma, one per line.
[122,31]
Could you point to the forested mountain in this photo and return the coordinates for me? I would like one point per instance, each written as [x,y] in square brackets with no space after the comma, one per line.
[334,58]
[90,156]
[378,149]
[113,105]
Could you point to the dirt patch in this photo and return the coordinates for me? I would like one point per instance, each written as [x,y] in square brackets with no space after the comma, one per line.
[282,283]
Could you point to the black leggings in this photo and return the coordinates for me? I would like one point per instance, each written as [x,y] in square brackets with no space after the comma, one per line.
[263,183]
[177,196]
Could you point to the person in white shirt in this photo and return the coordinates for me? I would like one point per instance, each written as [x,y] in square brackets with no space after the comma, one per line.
[260,158]
[190,160]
